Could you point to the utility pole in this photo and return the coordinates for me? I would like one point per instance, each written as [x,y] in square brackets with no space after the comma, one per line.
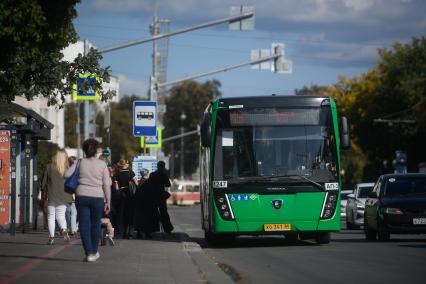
[182,147]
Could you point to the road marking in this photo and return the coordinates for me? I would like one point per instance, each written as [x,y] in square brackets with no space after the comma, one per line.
[33,263]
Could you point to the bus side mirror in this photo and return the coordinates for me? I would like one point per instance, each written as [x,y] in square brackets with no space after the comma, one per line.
[206,130]
[344,134]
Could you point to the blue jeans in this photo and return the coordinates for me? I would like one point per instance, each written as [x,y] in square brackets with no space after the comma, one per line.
[90,211]
[71,217]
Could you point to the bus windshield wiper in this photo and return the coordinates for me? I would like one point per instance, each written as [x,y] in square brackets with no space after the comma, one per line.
[299,176]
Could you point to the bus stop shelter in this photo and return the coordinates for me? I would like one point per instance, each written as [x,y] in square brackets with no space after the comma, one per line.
[20,131]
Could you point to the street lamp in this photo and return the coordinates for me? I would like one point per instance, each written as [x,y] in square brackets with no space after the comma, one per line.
[182,118]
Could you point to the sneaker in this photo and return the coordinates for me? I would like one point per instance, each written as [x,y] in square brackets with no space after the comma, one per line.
[93,257]
[110,240]
[64,233]
[51,241]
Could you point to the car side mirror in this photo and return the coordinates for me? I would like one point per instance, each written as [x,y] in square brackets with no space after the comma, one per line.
[372,194]
[206,130]
[344,135]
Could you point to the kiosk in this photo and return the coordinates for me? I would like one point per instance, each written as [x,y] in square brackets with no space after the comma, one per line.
[20,131]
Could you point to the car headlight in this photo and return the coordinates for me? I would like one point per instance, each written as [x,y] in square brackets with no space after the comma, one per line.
[360,205]
[394,211]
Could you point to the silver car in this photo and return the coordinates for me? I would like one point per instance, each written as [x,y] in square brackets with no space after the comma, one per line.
[343,199]
[356,204]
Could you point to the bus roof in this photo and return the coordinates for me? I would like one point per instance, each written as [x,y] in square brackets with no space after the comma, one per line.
[277,101]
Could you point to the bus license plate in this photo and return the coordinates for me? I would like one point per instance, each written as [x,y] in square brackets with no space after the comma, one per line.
[276,227]
[419,221]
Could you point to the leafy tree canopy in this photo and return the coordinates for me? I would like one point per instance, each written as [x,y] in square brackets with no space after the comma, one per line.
[394,90]
[190,98]
[32,35]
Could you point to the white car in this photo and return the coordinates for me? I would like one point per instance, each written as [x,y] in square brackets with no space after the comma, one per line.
[355,205]
[343,199]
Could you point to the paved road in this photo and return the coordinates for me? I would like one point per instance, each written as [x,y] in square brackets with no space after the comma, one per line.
[347,259]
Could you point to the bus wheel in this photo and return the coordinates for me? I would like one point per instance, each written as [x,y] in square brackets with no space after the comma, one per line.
[322,238]
[209,237]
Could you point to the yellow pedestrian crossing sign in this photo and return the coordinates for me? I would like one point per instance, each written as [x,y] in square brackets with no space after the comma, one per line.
[85,87]
[152,141]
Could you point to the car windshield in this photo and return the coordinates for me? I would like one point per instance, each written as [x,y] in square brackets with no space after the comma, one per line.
[405,186]
[364,191]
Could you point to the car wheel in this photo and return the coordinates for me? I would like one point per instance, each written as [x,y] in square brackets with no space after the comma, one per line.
[370,235]
[323,238]
[382,233]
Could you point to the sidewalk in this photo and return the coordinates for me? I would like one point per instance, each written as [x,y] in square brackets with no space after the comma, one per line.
[25,258]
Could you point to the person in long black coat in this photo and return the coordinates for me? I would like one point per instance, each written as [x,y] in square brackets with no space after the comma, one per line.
[154,201]
[146,211]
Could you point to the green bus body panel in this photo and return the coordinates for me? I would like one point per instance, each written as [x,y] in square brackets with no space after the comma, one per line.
[220,225]
[301,210]
[295,207]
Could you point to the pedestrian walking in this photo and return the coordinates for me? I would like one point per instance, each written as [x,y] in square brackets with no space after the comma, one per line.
[71,212]
[93,197]
[56,198]
[106,222]
[157,182]
[126,183]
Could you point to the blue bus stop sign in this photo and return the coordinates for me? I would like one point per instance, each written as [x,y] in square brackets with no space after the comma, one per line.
[144,118]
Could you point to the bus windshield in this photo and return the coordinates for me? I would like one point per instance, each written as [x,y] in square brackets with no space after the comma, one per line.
[279,149]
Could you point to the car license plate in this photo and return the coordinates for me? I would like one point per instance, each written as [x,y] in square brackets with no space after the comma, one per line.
[419,221]
[276,227]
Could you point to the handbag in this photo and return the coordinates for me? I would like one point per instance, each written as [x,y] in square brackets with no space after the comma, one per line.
[71,183]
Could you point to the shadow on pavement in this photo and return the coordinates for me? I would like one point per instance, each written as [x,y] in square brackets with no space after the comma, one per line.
[247,242]
[23,243]
[414,246]
[37,257]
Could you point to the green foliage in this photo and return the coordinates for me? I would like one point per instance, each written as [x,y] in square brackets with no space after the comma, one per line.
[123,143]
[313,90]
[45,152]
[32,35]
[395,89]
[190,98]
[70,125]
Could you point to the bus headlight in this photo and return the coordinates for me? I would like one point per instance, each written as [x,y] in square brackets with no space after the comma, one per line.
[222,203]
[329,206]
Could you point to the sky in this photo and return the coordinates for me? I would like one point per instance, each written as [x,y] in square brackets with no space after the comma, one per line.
[323,39]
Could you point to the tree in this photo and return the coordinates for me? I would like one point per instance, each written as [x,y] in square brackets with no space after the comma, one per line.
[123,143]
[70,125]
[190,98]
[395,89]
[32,35]
[313,90]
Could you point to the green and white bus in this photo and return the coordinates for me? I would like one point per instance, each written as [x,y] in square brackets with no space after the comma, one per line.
[271,165]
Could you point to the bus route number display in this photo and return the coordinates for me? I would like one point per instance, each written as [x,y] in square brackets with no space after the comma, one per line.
[274,116]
